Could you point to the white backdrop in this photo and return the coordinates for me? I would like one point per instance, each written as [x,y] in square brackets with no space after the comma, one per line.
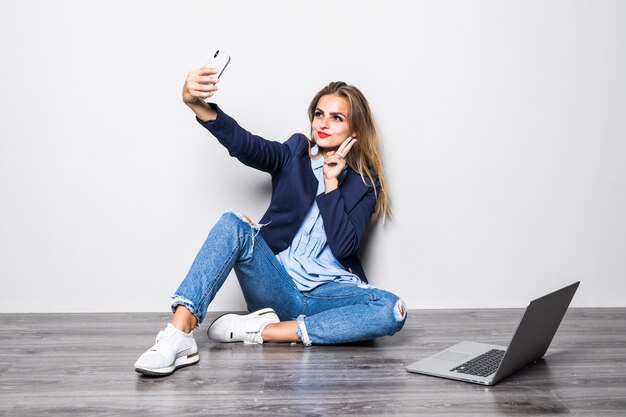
[503,123]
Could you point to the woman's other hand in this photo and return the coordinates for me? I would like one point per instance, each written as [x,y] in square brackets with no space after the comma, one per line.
[335,162]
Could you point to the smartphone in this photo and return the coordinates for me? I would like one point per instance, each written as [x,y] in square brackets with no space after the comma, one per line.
[219,60]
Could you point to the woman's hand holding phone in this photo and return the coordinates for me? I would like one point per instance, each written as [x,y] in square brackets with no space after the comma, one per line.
[201,84]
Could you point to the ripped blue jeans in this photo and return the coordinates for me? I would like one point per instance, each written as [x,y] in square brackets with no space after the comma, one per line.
[329,314]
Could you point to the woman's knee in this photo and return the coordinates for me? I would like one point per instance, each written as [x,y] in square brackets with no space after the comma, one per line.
[394,310]
[233,219]
[232,227]
[242,216]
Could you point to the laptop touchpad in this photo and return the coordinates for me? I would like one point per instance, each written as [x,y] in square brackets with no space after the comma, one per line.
[452,356]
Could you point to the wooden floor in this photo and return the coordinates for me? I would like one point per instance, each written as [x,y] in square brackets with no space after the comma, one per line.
[81,365]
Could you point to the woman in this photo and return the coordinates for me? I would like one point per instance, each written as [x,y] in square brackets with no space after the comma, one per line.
[298,267]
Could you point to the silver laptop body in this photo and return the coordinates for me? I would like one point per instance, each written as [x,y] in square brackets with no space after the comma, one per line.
[529,343]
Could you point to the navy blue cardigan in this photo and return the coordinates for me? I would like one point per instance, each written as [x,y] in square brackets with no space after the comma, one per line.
[346,211]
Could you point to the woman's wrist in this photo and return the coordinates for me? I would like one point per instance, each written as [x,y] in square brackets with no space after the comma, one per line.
[330,184]
[204,111]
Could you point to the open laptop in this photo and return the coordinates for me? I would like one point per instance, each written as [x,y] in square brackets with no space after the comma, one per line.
[488,364]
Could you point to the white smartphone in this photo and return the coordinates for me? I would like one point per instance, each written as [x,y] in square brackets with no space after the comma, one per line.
[219,60]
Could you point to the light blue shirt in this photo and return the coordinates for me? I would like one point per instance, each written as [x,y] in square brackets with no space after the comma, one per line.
[309,260]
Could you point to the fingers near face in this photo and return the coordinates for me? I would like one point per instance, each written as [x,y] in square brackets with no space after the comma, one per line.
[346,145]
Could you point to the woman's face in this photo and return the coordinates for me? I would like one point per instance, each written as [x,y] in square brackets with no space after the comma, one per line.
[330,121]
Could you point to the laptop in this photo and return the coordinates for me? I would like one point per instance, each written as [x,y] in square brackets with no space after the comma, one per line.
[486,364]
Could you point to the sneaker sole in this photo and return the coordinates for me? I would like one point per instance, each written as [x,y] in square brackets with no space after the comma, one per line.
[252,315]
[181,362]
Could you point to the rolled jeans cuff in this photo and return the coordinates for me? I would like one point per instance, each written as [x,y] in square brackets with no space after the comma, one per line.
[302,333]
[182,301]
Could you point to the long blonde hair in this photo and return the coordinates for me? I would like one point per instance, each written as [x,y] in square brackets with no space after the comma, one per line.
[365,157]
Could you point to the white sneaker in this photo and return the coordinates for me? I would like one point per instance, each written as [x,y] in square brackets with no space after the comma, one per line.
[173,349]
[238,328]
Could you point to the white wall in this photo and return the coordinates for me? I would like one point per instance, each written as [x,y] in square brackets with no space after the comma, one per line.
[504,129]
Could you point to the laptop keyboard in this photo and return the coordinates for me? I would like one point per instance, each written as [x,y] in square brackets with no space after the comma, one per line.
[483,365]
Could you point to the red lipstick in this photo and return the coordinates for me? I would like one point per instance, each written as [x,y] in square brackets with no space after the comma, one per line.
[322,135]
